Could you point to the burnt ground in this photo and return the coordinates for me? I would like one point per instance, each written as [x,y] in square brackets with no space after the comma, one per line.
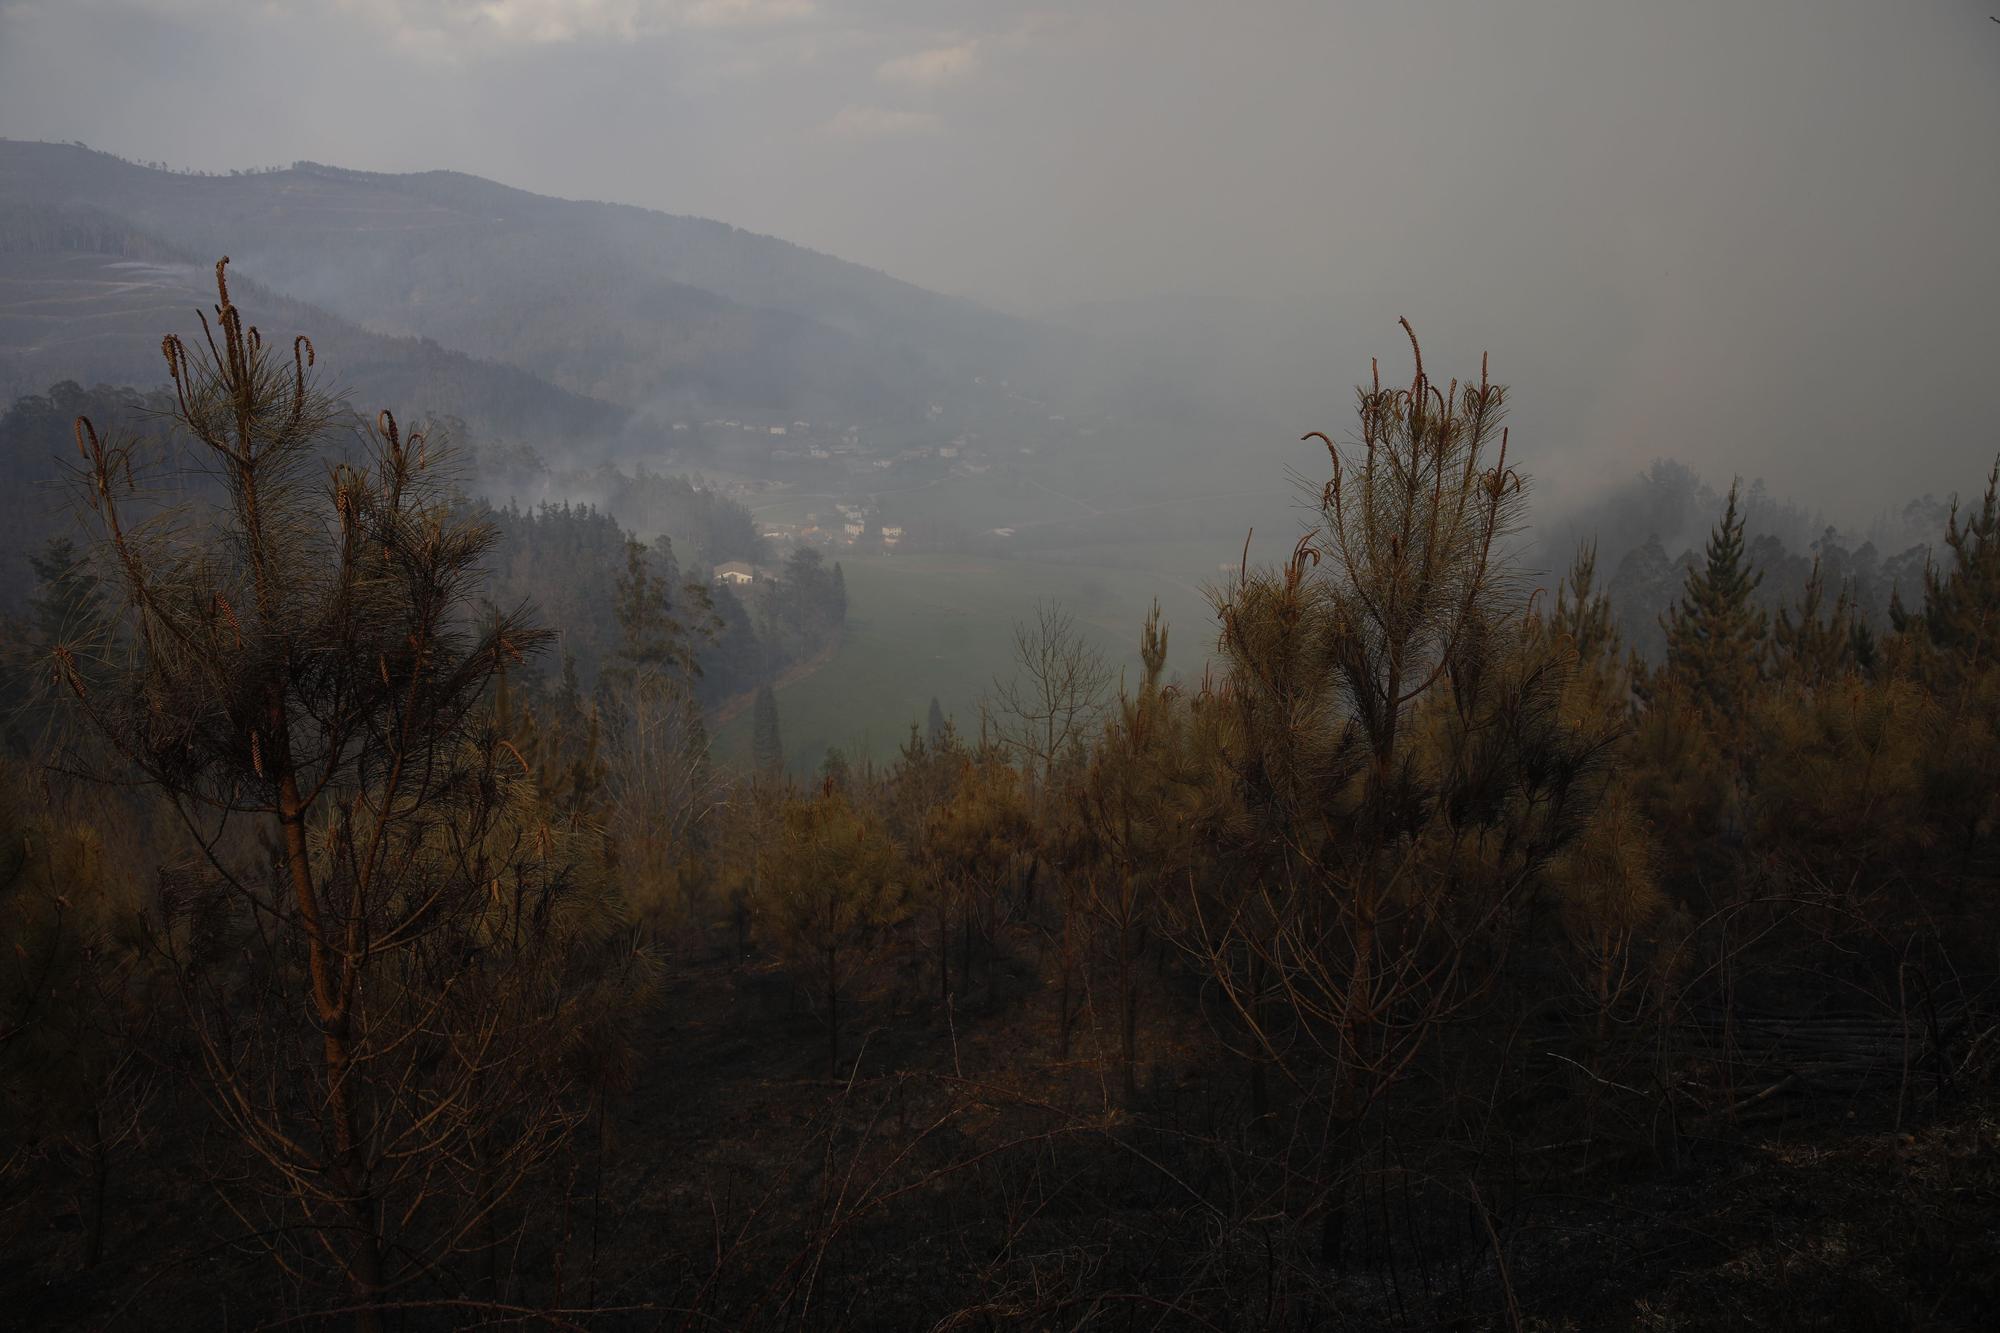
[958,1175]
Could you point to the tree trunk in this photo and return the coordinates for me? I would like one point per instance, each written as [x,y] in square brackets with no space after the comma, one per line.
[944,956]
[1062,1015]
[1260,1083]
[1128,1042]
[364,1265]
[832,1017]
[1349,1098]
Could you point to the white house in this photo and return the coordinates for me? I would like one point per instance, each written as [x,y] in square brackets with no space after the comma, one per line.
[735,571]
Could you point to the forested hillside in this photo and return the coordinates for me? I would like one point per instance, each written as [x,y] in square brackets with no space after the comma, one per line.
[617,304]
[83,295]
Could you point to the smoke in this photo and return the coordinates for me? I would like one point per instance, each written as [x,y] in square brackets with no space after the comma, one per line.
[1754,238]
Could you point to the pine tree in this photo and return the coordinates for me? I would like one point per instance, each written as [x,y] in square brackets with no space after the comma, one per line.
[300,669]
[1953,644]
[833,892]
[661,782]
[70,596]
[1960,617]
[653,635]
[1583,611]
[1132,807]
[767,747]
[1715,637]
[1812,646]
[935,724]
[1400,752]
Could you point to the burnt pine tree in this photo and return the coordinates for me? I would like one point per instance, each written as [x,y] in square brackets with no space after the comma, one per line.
[415,954]
[1715,637]
[1402,765]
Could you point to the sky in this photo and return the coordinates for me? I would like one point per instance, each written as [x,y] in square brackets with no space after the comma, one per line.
[1760,235]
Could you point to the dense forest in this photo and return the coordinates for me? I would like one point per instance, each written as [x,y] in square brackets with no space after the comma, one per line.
[387,950]
[565,559]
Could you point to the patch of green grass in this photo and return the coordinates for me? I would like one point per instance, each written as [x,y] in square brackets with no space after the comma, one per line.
[943,625]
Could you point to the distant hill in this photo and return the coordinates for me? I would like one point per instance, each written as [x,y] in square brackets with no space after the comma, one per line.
[86,296]
[632,307]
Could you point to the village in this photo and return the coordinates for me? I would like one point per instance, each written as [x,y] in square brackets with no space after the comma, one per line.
[823,484]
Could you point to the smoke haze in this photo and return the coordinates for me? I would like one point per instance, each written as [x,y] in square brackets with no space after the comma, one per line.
[1755,238]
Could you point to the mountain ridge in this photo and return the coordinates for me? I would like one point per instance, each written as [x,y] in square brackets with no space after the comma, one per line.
[638,307]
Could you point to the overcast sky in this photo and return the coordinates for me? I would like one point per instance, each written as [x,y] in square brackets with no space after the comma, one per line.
[1759,234]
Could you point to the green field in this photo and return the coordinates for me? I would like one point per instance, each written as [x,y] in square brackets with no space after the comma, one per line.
[925,625]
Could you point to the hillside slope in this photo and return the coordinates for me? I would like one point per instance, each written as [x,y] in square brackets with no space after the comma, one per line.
[86,296]
[631,306]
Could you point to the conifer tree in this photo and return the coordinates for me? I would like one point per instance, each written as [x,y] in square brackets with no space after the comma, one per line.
[1134,805]
[1398,740]
[1583,611]
[934,724]
[662,785]
[971,841]
[420,953]
[1715,637]
[71,595]
[833,890]
[1960,617]
[1811,645]
[1953,645]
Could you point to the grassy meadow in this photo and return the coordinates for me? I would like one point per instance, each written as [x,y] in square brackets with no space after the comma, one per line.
[942,625]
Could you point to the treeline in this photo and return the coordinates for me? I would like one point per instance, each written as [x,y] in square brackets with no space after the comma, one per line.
[1647,533]
[710,528]
[565,559]
[1435,960]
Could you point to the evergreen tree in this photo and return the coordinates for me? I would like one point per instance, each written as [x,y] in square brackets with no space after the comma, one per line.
[1816,647]
[935,724]
[1399,751]
[1960,617]
[422,955]
[1583,611]
[767,748]
[653,636]
[70,595]
[1953,644]
[1715,637]
[1132,808]
[833,893]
